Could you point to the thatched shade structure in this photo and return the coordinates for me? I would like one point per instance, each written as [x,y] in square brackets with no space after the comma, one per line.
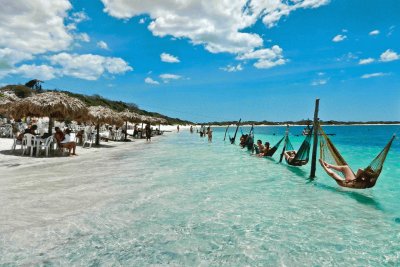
[161,120]
[7,99]
[54,105]
[130,116]
[100,114]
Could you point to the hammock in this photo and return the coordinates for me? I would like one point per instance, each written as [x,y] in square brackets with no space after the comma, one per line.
[302,155]
[249,143]
[272,151]
[232,139]
[368,177]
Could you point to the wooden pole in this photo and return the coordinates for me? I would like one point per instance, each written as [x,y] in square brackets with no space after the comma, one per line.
[284,145]
[315,141]
[98,135]
[126,131]
[226,130]
[50,129]
[237,128]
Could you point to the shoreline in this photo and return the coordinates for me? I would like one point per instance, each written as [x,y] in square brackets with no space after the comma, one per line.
[13,161]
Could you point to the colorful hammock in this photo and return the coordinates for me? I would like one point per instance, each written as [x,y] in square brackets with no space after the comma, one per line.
[368,177]
[273,149]
[302,155]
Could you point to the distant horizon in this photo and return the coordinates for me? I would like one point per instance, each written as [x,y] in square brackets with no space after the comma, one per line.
[202,61]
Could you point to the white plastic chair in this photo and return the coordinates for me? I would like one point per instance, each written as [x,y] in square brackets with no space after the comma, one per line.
[47,144]
[16,142]
[28,143]
[87,139]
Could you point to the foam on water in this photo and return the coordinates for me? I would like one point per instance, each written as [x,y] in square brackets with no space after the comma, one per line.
[183,201]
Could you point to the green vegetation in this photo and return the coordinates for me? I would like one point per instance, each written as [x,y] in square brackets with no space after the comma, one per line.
[19,90]
[94,100]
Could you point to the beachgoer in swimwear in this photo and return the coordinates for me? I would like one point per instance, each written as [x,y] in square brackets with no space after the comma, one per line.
[345,169]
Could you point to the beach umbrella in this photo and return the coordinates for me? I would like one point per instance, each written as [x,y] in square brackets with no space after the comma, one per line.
[161,121]
[54,105]
[129,116]
[100,114]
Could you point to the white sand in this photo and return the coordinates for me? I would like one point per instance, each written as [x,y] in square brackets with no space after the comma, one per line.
[14,160]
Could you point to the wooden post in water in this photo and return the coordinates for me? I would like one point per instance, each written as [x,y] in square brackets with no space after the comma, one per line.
[315,141]
[284,144]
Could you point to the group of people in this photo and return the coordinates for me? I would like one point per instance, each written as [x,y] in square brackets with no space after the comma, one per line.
[147,131]
[204,132]
[262,149]
[63,139]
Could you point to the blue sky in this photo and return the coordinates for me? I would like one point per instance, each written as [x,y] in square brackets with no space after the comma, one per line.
[258,60]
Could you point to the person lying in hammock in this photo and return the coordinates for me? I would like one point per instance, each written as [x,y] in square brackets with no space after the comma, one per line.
[258,147]
[290,155]
[243,139]
[264,152]
[345,169]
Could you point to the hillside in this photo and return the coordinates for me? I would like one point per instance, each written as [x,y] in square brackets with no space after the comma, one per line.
[23,91]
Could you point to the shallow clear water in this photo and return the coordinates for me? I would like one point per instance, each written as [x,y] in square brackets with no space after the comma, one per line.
[184,201]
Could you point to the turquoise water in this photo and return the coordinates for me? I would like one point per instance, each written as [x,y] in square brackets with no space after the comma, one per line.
[182,201]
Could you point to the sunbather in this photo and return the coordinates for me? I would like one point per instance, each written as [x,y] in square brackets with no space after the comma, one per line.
[345,169]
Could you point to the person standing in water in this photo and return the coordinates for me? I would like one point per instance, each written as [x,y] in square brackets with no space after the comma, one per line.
[177,128]
[148,132]
[209,134]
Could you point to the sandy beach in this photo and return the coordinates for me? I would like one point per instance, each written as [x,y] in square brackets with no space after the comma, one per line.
[13,161]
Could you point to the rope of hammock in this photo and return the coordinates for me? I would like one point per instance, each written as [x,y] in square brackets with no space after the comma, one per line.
[368,177]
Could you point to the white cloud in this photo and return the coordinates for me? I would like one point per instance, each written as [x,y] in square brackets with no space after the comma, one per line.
[169,58]
[10,57]
[219,26]
[389,55]
[339,38]
[41,72]
[166,77]
[84,37]
[34,27]
[102,45]
[266,58]
[366,61]
[374,32]
[88,66]
[231,68]
[321,73]
[319,82]
[150,81]
[74,19]
[78,17]
[347,57]
[391,30]
[372,75]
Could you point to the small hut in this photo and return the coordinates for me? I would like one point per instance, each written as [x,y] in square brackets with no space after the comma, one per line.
[100,114]
[129,116]
[54,105]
